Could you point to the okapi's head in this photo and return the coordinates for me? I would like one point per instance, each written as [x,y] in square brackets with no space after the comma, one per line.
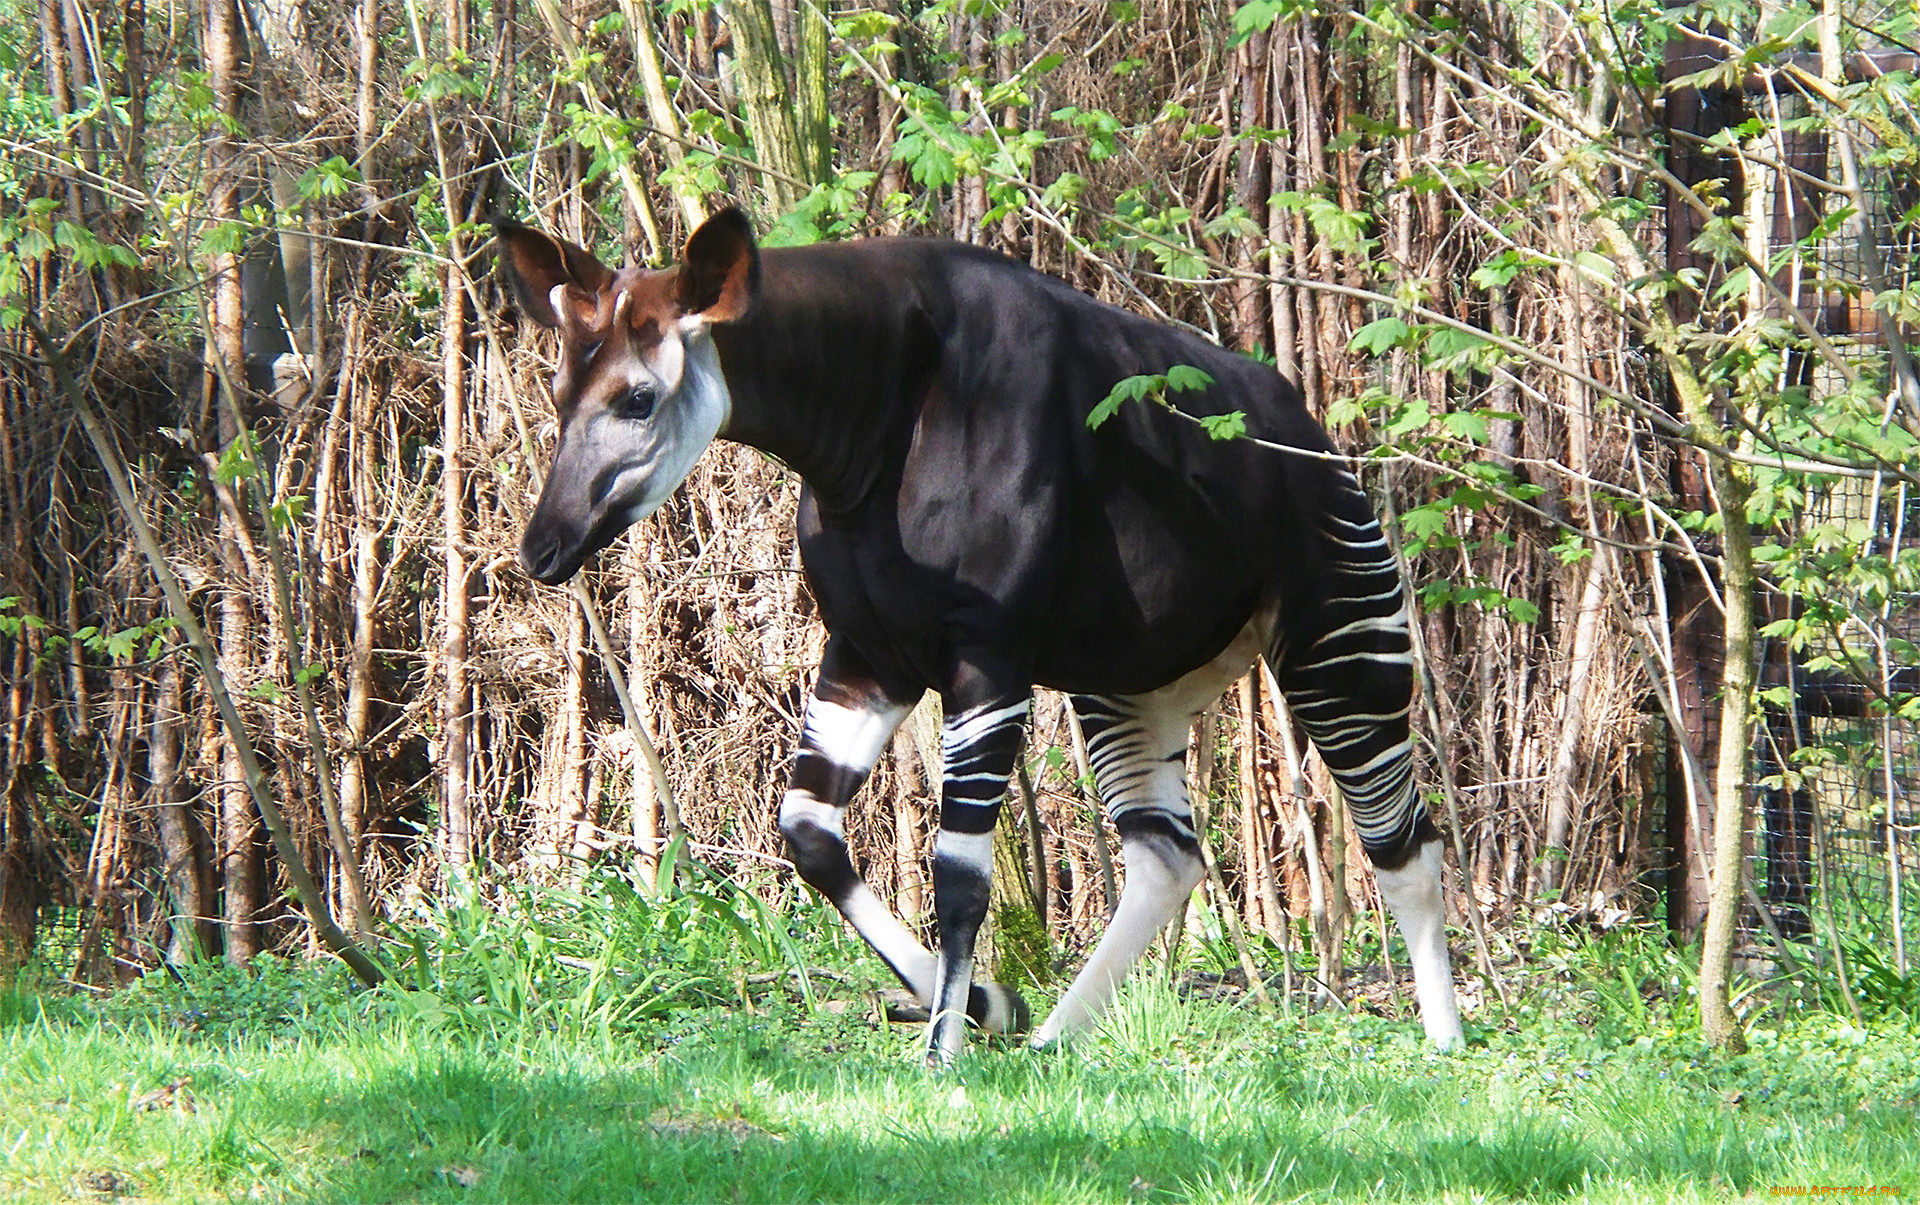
[639,392]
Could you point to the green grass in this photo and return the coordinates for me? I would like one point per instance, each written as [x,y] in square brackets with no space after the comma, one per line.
[1173,1101]
[590,1045]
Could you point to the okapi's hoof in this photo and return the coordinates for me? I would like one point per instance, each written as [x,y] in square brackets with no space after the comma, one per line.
[998,1009]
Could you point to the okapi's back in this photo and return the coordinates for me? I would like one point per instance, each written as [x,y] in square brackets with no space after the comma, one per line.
[1159,536]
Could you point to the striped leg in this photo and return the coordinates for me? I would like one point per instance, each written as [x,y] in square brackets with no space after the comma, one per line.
[849,720]
[978,744]
[1138,749]
[1346,668]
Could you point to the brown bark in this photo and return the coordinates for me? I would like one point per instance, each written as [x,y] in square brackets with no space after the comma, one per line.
[1250,190]
[241,873]
[183,846]
[1262,901]
[457,833]
[763,92]
[909,788]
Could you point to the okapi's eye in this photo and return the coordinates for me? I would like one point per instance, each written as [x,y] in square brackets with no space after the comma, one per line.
[637,403]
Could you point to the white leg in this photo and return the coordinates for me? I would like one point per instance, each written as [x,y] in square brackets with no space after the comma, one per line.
[1138,750]
[1412,894]
[1160,877]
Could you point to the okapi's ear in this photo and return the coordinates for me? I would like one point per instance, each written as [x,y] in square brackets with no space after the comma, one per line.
[720,272]
[537,263]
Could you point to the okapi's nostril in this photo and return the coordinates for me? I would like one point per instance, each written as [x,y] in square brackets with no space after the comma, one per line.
[539,554]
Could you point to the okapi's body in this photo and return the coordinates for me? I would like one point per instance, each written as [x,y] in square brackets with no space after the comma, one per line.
[963,530]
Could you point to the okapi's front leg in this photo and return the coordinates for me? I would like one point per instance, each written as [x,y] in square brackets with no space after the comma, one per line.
[849,721]
[978,740]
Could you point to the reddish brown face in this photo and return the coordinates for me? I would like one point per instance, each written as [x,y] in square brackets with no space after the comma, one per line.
[639,391]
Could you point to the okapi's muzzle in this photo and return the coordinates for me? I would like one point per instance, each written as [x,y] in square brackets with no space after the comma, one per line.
[550,553]
[639,389]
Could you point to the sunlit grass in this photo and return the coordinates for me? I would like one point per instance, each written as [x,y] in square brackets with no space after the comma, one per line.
[297,1092]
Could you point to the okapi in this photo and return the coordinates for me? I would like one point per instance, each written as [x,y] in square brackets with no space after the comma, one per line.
[963,530]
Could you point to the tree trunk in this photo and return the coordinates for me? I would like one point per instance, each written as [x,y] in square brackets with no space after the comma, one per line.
[240,860]
[646,795]
[1250,193]
[457,835]
[763,93]
[183,852]
[909,788]
[1263,901]
[1573,726]
[359,710]
[813,123]
[1721,1027]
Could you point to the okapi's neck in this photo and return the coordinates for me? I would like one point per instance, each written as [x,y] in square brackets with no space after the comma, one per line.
[818,368]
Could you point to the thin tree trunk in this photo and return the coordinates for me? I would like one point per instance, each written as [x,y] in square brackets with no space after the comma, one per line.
[1250,191]
[1255,861]
[457,835]
[1573,726]
[572,831]
[1724,898]
[240,870]
[660,110]
[1280,298]
[646,795]
[183,852]
[763,92]
[909,787]
[813,121]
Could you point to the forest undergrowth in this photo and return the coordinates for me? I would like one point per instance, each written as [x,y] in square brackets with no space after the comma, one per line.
[605,1042]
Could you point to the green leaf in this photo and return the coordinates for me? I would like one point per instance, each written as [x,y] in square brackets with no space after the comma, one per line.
[1345,412]
[330,178]
[1225,426]
[1127,389]
[285,514]
[1522,611]
[234,465]
[90,251]
[1379,336]
[1414,418]
[120,645]
[1465,424]
[1445,343]
[1104,409]
[1064,192]
[866,26]
[1256,17]
[1572,549]
[1185,377]
[1599,265]
[1424,523]
[225,238]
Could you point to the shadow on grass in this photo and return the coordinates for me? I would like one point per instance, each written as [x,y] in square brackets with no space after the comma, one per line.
[766,1124]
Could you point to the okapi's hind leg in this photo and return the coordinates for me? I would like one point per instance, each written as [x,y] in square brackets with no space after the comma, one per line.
[1137,745]
[1345,666]
[849,721]
[1138,748]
